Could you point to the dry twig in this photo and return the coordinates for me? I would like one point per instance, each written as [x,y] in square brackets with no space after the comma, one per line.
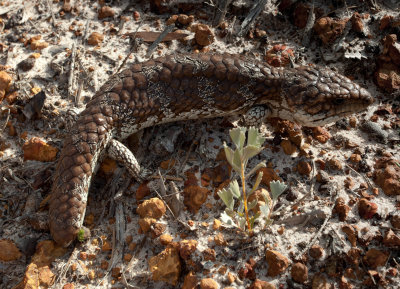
[219,12]
[153,46]
[71,72]
[50,8]
[7,119]
[251,17]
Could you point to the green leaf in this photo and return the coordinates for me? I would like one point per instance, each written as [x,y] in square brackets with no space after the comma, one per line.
[266,197]
[240,208]
[256,168]
[230,154]
[255,138]
[238,136]
[253,220]
[227,220]
[227,197]
[264,210]
[234,187]
[242,223]
[257,183]
[237,161]
[277,188]
[252,204]
[81,235]
[230,212]
[269,222]
[250,151]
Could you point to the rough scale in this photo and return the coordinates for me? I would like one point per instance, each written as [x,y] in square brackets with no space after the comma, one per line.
[182,87]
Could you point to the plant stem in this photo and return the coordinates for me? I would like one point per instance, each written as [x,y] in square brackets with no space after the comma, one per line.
[245,197]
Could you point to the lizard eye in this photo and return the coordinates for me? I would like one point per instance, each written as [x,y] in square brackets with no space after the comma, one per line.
[338,101]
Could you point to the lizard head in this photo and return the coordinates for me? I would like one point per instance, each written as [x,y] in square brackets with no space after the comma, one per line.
[314,96]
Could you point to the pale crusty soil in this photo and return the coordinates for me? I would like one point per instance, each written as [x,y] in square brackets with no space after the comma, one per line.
[94,65]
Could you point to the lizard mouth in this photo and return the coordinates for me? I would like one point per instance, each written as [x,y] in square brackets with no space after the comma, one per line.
[339,113]
[323,117]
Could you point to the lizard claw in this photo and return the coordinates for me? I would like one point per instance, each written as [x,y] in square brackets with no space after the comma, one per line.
[143,175]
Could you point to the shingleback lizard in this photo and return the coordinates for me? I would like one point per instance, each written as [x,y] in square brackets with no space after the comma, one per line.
[183,87]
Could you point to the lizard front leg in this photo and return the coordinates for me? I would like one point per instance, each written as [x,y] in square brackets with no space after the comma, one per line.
[256,115]
[121,153]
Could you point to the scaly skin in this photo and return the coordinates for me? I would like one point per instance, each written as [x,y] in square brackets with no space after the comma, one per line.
[182,87]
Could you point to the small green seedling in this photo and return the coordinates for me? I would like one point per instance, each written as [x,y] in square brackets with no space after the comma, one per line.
[240,216]
[81,235]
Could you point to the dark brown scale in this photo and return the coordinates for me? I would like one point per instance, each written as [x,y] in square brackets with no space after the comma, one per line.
[140,80]
[177,71]
[220,71]
[166,75]
[118,87]
[129,84]
[168,63]
[125,96]
[209,71]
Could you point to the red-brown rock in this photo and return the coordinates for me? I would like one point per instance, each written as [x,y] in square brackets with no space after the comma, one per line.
[38,150]
[203,35]
[329,29]
[299,272]
[367,209]
[316,251]
[9,251]
[277,263]
[260,284]
[375,258]
[387,176]
[105,12]
[190,281]
[391,239]
[153,208]
[208,283]
[341,209]
[166,266]
[186,248]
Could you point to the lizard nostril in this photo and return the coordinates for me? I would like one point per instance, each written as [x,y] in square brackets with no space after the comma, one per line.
[338,101]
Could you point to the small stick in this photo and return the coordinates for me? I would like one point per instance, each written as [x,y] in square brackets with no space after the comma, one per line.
[138,246]
[251,17]
[308,194]
[71,73]
[182,166]
[112,259]
[307,32]
[316,236]
[7,119]
[153,46]
[169,209]
[169,178]
[133,47]
[78,94]
[367,180]
[219,12]
[172,213]
[339,237]
[85,33]
[65,268]
[51,12]
[313,179]
[125,282]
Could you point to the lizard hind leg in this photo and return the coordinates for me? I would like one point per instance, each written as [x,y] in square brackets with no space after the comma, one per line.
[256,116]
[121,153]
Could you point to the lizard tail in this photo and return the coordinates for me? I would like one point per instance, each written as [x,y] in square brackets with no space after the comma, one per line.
[86,144]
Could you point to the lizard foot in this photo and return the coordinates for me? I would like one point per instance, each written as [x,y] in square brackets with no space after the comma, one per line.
[121,153]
